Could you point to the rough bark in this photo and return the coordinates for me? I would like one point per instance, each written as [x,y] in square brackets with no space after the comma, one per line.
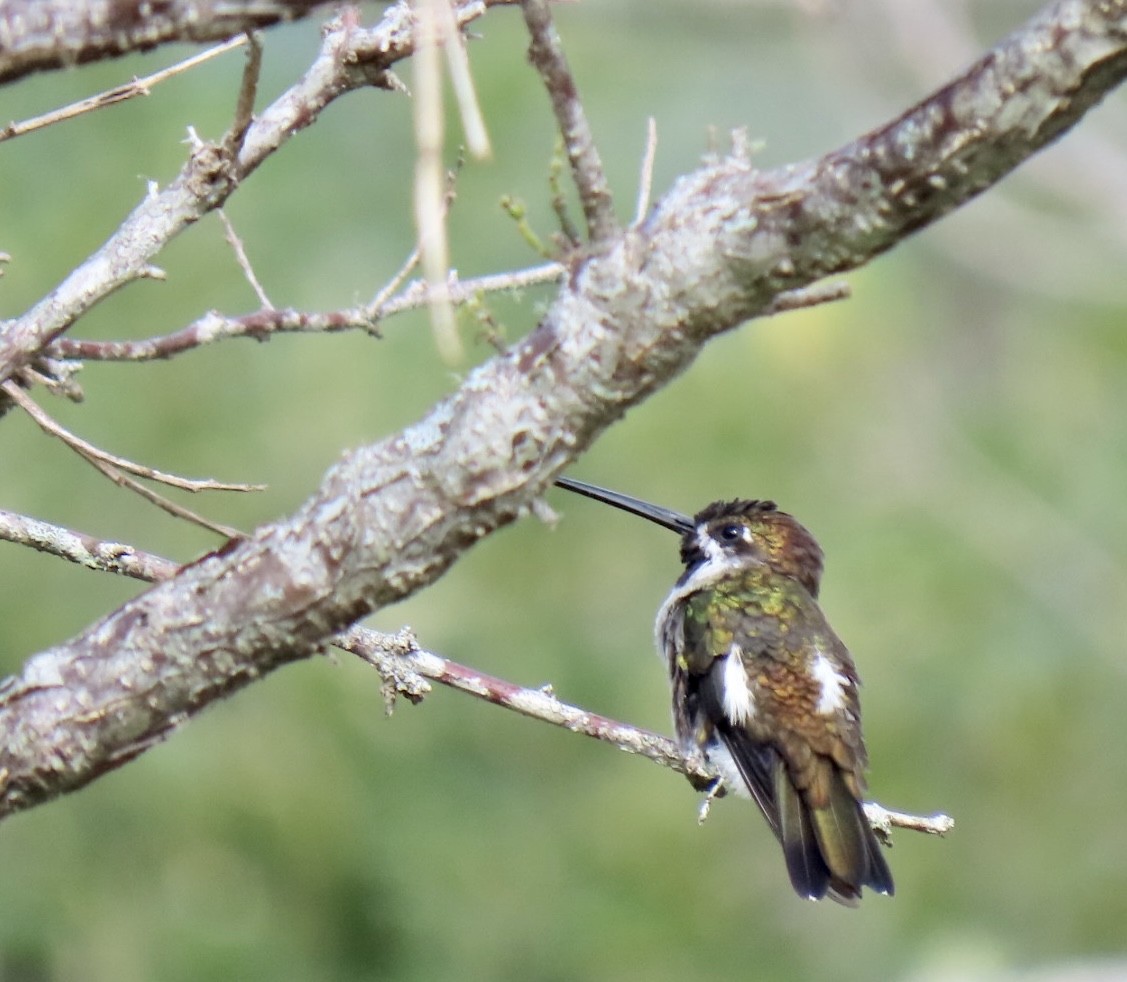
[40,35]
[388,519]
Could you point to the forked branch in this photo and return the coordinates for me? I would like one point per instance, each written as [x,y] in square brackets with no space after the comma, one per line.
[390,518]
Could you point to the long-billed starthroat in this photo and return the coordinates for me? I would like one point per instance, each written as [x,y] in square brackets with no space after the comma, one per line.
[764,688]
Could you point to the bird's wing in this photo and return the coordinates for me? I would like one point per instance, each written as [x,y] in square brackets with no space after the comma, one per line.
[752,761]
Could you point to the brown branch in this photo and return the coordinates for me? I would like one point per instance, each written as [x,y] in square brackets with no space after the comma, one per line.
[404,667]
[547,56]
[85,550]
[123,480]
[350,58]
[120,93]
[88,450]
[248,92]
[263,323]
[39,35]
[390,518]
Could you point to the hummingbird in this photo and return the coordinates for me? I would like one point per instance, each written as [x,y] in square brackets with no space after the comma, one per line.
[764,688]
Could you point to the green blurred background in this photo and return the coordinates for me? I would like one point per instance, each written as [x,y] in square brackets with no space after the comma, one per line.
[955,435]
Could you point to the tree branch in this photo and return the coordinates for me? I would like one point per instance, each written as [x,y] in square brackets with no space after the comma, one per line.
[547,56]
[390,518]
[350,58]
[404,668]
[83,549]
[263,323]
[120,93]
[38,35]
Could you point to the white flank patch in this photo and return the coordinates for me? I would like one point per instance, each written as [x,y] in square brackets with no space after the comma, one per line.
[834,685]
[739,705]
[721,758]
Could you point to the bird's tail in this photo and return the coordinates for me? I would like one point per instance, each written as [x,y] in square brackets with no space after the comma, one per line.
[830,848]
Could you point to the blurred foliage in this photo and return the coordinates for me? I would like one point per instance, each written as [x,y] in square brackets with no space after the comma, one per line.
[956,435]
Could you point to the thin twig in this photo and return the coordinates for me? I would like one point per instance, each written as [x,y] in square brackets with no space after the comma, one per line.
[547,56]
[558,199]
[261,324]
[542,704]
[88,450]
[387,291]
[515,208]
[461,291]
[244,262]
[83,549]
[412,261]
[120,93]
[645,185]
[248,89]
[123,480]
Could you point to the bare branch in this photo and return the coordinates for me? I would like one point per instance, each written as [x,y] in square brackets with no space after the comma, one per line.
[391,653]
[214,327]
[547,56]
[461,291]
[387,291]
[248,91]
[350,58]
[36,35]
[263,323]
[114,467]
[86,550]
[243,260]
[89,451]
[390,518]
[121,93]
[123,480]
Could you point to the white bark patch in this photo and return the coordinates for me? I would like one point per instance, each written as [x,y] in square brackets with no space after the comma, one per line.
[739,703]
[833,684]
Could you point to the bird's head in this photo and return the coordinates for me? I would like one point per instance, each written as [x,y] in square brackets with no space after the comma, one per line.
[729,534]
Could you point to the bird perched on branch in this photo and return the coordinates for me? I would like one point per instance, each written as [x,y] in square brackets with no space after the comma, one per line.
[764,688]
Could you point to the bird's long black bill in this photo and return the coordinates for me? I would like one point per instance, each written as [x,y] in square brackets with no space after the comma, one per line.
[655,513]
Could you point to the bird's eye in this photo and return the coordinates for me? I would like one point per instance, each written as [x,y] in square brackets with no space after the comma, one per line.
[732,533]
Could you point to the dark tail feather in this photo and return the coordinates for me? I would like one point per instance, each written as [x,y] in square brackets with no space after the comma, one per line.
[809,874]
[831,850]
[879,877]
